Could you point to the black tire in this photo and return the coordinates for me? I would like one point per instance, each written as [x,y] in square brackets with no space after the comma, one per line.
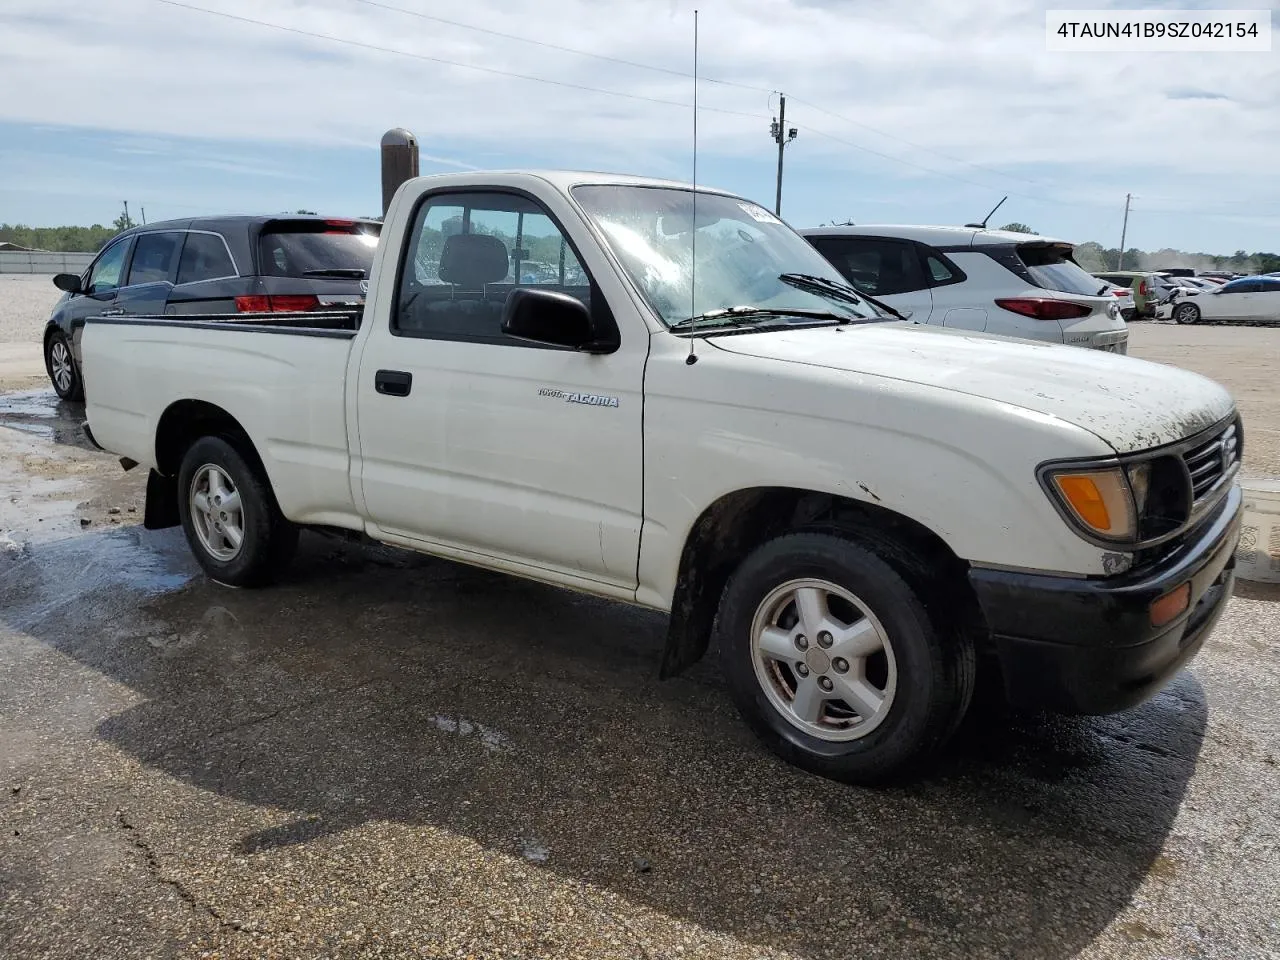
[268,539]
[935,669]
[57,350]
[1186,313]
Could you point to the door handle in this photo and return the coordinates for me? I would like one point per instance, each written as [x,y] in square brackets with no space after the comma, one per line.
[393,383]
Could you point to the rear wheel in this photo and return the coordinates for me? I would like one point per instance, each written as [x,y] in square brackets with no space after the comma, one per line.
[833,660]
[61,367]
[1186,313]
[230,516]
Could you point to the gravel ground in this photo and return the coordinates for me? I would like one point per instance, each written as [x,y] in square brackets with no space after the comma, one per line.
[27,300]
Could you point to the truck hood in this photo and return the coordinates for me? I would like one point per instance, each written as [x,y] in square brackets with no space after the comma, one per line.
[1130,404]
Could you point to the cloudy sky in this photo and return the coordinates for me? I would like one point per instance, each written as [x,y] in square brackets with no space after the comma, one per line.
[918,112]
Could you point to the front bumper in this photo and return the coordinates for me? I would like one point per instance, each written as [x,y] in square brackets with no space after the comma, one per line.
[1087,646]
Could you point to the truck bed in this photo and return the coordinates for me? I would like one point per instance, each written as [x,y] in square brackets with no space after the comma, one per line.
[281,377]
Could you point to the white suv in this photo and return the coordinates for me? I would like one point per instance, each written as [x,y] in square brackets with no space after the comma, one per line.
[1015,284]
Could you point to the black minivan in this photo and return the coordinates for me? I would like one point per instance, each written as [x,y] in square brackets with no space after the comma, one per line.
[250,265]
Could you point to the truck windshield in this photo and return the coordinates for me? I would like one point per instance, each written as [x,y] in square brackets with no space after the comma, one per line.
[743,253]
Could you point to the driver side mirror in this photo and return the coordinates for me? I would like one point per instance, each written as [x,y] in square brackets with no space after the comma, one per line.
[552,318]
[68,282]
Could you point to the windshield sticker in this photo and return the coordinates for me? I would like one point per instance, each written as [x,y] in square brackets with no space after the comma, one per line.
[758,213]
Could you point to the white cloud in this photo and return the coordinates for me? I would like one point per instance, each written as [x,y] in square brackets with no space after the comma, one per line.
[973,85]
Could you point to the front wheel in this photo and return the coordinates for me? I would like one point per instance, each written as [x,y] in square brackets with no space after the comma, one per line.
[1186,313]
[61,367]
[230,516]
[834,661]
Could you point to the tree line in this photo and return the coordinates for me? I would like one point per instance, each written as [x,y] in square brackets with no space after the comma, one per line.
[58,239]
[1096,258]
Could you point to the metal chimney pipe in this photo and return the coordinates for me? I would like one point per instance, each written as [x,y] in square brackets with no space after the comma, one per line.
[399,162]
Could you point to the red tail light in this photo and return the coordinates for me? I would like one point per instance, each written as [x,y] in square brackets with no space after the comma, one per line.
[1039,308]
[293,304]
[254,304]
[1122,293]
[260,303]
[1142,288]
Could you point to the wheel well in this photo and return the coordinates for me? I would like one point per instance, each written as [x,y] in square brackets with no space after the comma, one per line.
[181,425]
[185,422]
[737,523]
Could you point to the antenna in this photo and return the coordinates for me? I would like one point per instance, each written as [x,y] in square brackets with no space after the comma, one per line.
[693,228]
[983,224]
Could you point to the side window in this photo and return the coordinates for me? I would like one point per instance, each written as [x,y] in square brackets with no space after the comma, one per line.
[467,253]
[153,257]
[876,267]
[204,257]
[939,269]
[105,274]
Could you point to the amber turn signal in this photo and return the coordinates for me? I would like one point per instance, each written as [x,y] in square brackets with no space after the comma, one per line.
[1171,606]
[1101,500]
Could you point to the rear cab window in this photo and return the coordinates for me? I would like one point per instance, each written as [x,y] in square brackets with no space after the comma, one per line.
[1051,267]
[317,249]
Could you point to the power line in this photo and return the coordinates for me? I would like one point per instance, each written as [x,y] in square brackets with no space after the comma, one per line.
[452,63]
[656,100]
[670,71]
[919,166]
[910,143]
[680,73]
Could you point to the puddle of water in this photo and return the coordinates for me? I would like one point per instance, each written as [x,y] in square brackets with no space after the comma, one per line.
[38,429]
[43,414]
[35,403]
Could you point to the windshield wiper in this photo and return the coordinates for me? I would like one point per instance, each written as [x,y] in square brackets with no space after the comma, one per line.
[355,273]
[836,291]
[748,315]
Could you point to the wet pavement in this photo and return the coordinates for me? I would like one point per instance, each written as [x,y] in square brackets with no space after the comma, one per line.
[390,755]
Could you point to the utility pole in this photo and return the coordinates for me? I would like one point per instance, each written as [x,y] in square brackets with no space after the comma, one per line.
[781,136]
[127,222]
[1124,230]
[144,215]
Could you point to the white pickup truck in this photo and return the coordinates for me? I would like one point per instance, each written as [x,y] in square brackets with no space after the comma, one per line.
[626,387]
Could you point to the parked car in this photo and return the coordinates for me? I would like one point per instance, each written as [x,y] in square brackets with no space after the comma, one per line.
[859,508]
[1015,284]
[212,265]
[1146,294]
[1124,297]
[1198,283]
[1249,299]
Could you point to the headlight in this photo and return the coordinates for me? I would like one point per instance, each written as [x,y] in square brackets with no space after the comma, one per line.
[1130,504]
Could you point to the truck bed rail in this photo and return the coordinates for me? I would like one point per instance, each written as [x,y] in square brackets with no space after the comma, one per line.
[314,323]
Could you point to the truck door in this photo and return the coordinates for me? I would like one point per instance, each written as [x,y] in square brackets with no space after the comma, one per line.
[484,443]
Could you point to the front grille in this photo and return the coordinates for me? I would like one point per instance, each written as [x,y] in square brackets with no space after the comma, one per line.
[1210,462]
